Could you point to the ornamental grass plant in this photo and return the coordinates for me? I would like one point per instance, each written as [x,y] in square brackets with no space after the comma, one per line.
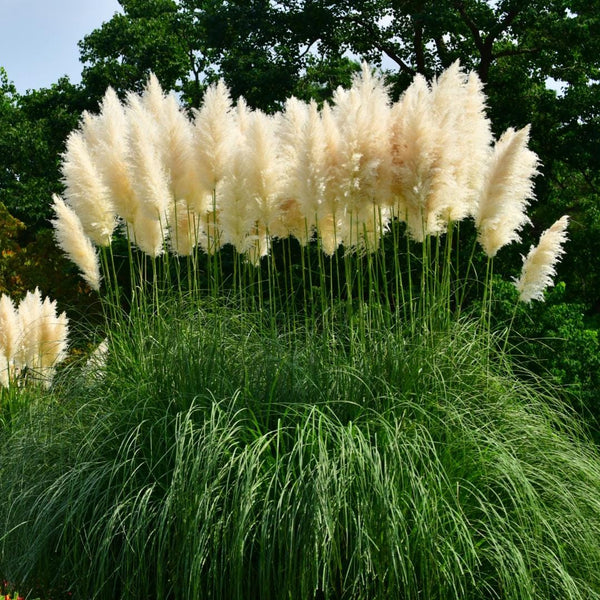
[292,397]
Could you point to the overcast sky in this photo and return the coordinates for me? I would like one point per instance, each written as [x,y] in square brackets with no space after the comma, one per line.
[38,38]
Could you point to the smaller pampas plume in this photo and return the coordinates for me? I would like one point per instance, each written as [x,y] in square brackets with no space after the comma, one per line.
[538,266]
[73,241]
[43,337]
[10,333]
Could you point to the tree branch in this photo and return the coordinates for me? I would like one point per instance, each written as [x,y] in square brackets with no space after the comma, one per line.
[418,45]
[515,52]
[382,47]
[394,56]
[460,6]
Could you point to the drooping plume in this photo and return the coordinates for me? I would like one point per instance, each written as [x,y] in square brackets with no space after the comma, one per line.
[73,241]
[539,265]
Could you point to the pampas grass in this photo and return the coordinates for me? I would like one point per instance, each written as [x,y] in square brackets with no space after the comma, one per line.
[508,188]
[294,405]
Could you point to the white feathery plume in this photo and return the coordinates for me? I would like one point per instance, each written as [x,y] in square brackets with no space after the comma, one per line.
[184,229]
[242,115]
[71,238]
[263,175]
[304,149]
[293,152]
[95,366]
[53,339]
[330,211]
[150,181]
[179,134]
[153,97]
[362,114]
[148,234]
[112,156]
[236,216]
[507,189]
[86,192]
[213,133]
[539,265]
[415,148]
[30,316]
[186,189]
[44,334]
[476,136]
[91,127]
[10,333]
[448,195]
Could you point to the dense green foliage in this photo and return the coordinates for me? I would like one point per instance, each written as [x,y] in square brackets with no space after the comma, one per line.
[209,456]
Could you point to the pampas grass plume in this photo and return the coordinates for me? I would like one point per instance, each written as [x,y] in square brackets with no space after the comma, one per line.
[213,135]
[43,336]
[85,190]
[10,332]
[539,265]
[71,238]
[507,190]
[54,330]
[29,314]
[150,181]
[113,156]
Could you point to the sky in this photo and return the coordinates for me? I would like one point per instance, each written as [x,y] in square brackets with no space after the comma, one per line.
[38,38]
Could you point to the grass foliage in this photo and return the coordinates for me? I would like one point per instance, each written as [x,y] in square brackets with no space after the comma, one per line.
[211,457]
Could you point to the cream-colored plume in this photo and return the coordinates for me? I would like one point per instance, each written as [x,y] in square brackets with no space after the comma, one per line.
[150,177]
[330,212]
[507,190]
[236,217]
[43,337]
[112,154]
[214,134]
[263,175]
[30,316]
[415,147]
[363,172]
[242,177]
[176,133]
[539,265]
[10,334]
[72,239]
[86,192]
[53,337]
[304,151]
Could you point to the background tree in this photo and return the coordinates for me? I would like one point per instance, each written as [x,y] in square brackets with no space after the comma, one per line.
[34,128]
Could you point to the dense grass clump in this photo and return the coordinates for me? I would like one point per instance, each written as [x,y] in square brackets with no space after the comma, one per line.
[210,457]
